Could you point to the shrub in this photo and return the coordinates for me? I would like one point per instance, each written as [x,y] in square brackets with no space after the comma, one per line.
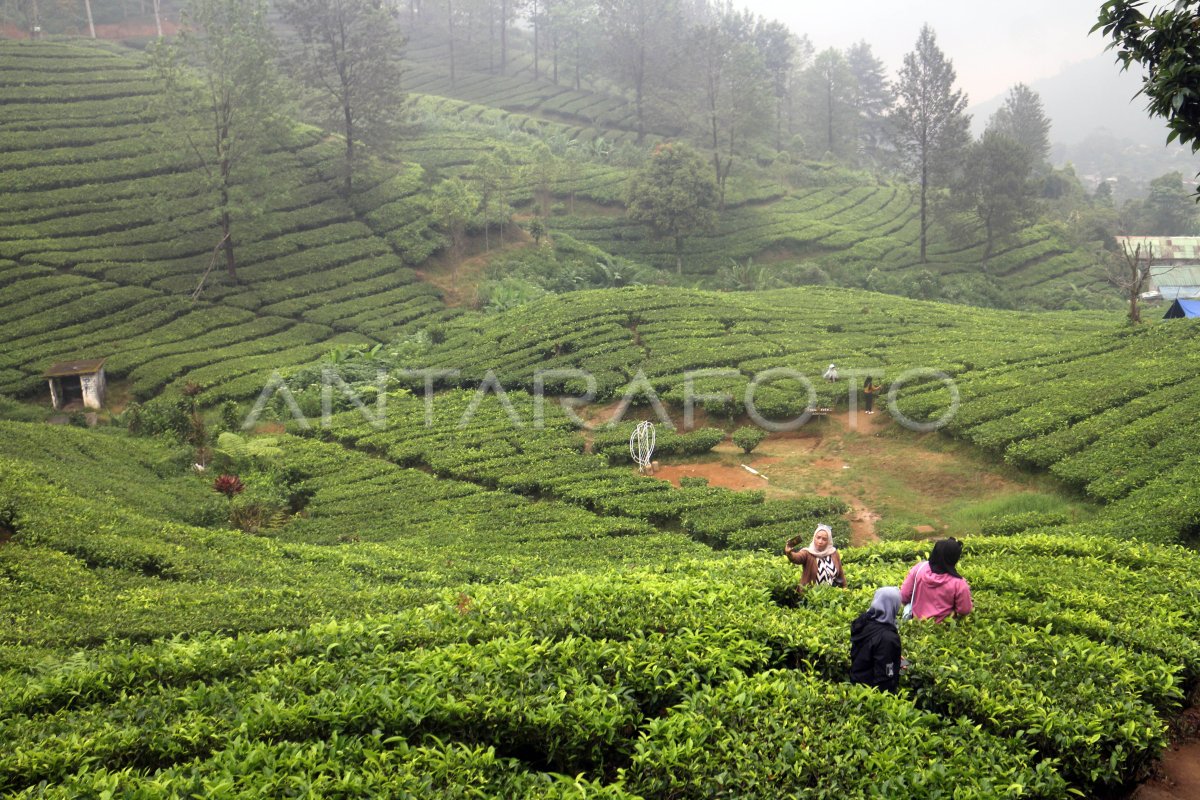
[166,415]
[748,437]
[1010,524]
[692,482]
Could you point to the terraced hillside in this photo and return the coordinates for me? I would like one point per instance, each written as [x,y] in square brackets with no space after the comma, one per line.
[1100,405]
[102,244]
[474,598]
[860,231]
[476,634]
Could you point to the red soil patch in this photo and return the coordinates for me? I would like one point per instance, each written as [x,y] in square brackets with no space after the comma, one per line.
[718,475]
[862,524]
[1177,774]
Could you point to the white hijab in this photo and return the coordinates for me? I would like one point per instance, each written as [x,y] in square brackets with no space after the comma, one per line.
[829,549]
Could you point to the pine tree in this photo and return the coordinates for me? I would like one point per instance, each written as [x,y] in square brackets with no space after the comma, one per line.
[873,101]
[930,121]
[1022,119]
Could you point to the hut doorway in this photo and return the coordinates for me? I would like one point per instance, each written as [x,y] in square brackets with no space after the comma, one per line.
[72,389]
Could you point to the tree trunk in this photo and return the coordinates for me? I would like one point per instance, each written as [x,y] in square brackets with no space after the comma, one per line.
[678,255]
[35,21]
[987,248]
[924,210]
[349,183]
[577,57]
[227,223]
[87,6]
[536,30]
[450,33]
[640,89]
[715,141]
[778,123]
[503,37]
[158,18]
[230,262]
[829,118]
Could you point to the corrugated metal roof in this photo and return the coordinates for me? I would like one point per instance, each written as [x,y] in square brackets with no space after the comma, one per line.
[1175,275]
[1179,292]
[1166,248]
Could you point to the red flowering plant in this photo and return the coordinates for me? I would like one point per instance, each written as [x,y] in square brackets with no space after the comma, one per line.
[229,485]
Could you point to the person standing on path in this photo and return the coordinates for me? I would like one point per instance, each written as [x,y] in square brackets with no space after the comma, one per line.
[870,389]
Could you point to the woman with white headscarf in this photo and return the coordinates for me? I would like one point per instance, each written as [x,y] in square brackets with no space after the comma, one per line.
[875,643]
[821,562]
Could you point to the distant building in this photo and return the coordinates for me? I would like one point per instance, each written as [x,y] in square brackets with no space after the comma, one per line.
[1174,268]
[77,382]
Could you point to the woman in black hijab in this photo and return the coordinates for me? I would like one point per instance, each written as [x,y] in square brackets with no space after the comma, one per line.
[875,642]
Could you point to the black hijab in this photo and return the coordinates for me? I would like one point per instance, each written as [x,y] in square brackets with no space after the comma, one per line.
[944,556]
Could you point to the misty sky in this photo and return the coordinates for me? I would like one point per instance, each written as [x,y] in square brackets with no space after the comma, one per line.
[993,45]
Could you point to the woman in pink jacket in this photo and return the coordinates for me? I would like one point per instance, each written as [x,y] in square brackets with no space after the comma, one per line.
[934,588]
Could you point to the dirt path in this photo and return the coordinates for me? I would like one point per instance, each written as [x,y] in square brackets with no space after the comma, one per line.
[919,485]
[459,279]
[1177,776]
[1180,778]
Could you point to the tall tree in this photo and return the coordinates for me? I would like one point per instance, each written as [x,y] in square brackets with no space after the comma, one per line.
[733,87]
[1022,120]
[349,55]
[930,121]
[675,195]
[996,186]
[488,175]
[575,33]
[231,85]
[1133,277]
[779,50]
[543,171]
[829,90]
[873,101]
[639,35]
[454,204]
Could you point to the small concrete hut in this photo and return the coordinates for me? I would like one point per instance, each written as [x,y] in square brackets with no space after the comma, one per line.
[77,382]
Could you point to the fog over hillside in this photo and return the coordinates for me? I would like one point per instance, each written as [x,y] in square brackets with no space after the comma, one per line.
[1100,124]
